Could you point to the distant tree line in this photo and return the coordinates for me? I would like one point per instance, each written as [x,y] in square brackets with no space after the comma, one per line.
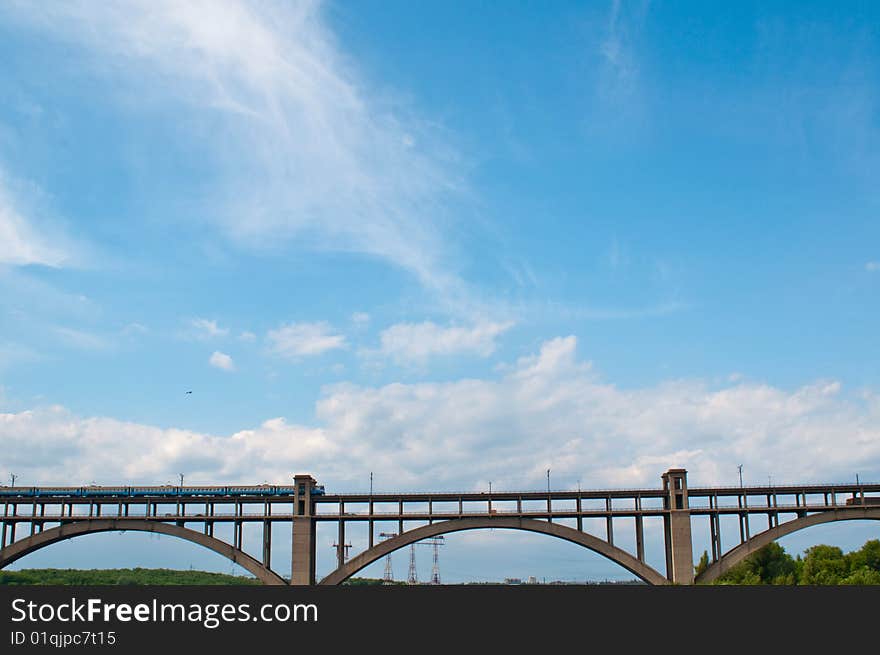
[820,565]
[136,576]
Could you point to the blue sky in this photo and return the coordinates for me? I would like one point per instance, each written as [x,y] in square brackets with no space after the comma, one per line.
[446,243]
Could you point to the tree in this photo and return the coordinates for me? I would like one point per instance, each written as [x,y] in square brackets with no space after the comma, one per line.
[774,565]
[769,565]
[862,575]
[702,565]
[824,565]
[868,556]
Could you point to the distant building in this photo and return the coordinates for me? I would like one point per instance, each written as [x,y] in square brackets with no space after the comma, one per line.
[532,580]
[512,581]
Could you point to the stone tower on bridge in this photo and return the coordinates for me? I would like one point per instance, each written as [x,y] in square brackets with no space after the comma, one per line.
[677,528]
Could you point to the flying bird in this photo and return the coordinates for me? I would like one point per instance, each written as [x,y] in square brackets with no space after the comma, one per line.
[187,392]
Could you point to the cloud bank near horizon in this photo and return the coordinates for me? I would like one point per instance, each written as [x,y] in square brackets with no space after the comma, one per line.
[547,410]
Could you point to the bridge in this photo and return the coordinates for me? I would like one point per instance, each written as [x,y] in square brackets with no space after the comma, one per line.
[36,517]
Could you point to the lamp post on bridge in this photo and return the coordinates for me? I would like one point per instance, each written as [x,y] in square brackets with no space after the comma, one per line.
[12,477]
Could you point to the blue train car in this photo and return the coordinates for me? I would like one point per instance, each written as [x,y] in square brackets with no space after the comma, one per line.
[94,490]
[71,492]
[17,492]
[164,491]
[206,491]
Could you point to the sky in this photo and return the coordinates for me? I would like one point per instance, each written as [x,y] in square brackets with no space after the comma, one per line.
[446,243]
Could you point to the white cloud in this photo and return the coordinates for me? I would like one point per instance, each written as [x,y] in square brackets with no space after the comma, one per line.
[221,361]
[303,339]
[418,342]
[106,450]
[207,329]
[308,149]
[21,243]
[872,267]
[248,337]
[548,410]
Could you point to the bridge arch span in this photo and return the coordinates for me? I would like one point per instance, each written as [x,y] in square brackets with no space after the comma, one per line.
[738,554]
[627,561]
[27,545]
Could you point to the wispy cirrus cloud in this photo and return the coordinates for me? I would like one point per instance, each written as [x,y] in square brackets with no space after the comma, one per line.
[311,151]
[82,339]
[12,353]
[620,70]
[872,267]
[22,242]
[620,65]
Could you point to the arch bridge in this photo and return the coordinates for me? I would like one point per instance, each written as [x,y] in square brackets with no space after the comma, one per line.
[36,517]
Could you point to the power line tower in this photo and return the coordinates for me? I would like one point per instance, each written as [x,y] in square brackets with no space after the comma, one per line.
[388,577]
[436,542]
[413,577]
[342,549]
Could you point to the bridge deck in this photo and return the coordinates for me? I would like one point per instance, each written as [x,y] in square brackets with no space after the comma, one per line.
[198,494]
[420,515]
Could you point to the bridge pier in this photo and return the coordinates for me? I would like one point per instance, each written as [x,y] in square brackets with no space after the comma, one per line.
[640,538]
[677,528]
[303,552]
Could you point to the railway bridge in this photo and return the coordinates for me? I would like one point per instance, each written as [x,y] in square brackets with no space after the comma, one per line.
[36,517]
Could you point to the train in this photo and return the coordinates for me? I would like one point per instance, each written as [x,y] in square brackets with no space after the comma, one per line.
[165,491]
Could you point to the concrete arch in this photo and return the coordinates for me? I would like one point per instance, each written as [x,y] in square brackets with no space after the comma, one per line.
[627,561]
[738,554]
[29,544]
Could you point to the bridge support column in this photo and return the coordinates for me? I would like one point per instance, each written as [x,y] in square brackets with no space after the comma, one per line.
[640,538]
[267,544]
[677,528]
[302,566]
